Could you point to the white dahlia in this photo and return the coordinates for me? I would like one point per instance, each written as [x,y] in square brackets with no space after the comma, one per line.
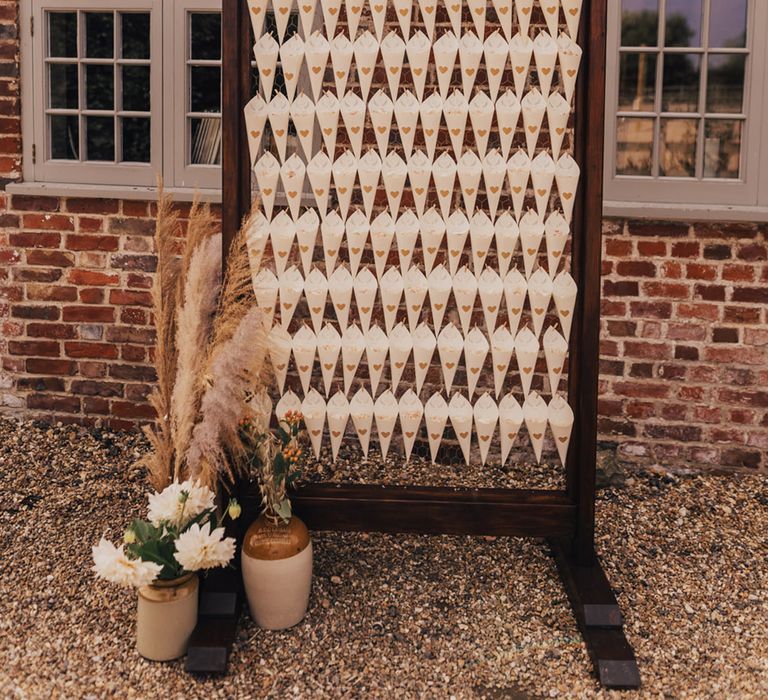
[112,564]
[199,548]
[177,504]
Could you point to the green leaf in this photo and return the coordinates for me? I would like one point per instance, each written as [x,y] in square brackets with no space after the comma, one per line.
[161,552]
[284,509]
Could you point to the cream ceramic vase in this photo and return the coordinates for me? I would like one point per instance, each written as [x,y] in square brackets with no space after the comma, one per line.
[276,562]
[166,616]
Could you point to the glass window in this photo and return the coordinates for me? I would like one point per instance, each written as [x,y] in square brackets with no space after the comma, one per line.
[204,91]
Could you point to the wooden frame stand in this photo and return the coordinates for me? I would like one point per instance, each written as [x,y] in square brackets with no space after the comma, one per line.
[565,518]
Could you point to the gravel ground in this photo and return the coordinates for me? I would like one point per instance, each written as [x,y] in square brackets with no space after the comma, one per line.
[390,616]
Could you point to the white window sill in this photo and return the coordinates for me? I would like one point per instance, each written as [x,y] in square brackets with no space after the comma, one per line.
[684,212]
[52,189]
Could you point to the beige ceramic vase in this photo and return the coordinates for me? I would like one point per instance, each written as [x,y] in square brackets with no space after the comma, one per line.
[166,616]
[277,571]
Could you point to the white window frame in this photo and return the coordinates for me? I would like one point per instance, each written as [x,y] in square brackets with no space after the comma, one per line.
[745,198]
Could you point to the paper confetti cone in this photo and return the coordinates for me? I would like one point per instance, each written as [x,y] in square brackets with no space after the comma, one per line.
[551,10]
[418,49]
[555,350]
[539,296]
[533,106]
[515,290]
[545,54]
[495,51]
[469,169]
[570,58]
[344,171]
[385,411]
[337,411]
[486,414]
[307,16]
[494,171]
[567,175]
[328,349]
[304,346]
[352,110]
[376,349]
[526,352]
[419,172]
[382,233]
[331,9]
[316,294]
[282,232]
[352,348]
[535,414]
[556,230]
[255,118]
[477,10]
[428,10]
[316,51]
[520,51]
[470,53]
[306,235]
[450,346]
[366,51]
[519,173]
[407,114]
[279,354]
[475,353]
[465,292]
[381,109]
[431,112]
[291,58]
[572,11]
[507,234]
[265,50]
[287,403]
[258,10]
[267,170]
[531,233]
[313,413]
[504,14]
[392,53]
[502,347]
[456,232]
[480,236]
[435,416]
[400,346]
[444,51]
[327,113]
[444,175]
[424,343]
[391,286]
[411,411]
[510,420]
[319,174]
[455,111]
[564,292]
[354,11]
[341,60]
[406,234]
[432,232]
[440,285]
[415,289]
[454,14]
[265,287]
[292,175]
[291,285]
[403,10]
[378,14]
[361,410]
[560,416]
[256,237]
[357,234]
[491,290]
[460,413]
[331,232]
[340,289]
[558,113]
[365,287]
[302,113]
[542,175]
[481,115]
[524,9]
[507,115]
[369,172]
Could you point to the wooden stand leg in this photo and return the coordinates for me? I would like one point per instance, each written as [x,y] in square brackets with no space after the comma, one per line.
[599,618]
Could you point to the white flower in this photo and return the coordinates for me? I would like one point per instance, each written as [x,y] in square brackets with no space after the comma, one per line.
[199,548]
[112,564]
[169,506]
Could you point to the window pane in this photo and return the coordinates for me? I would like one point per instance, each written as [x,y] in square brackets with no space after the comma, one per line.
[100,138]
[206,89]
[728,24]
[65,137]
[135,38]
[639,22]
[99,87]
[722,148]
[206,141]
[62,34]
[680,92]
[99,34]
[136,88]
[137,139]
[64,85]
[725,83]
[637,81]
[678,147]
[205,36]
[683,25]
[634,146]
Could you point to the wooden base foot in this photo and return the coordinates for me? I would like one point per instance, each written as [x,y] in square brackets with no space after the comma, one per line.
[599,618]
